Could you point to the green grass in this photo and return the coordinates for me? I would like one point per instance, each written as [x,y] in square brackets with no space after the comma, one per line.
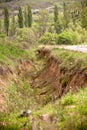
[70,58]
[14,122]
[10,52]
[71,108]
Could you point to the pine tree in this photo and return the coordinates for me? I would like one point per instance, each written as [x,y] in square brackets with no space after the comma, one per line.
[29,16]
[6,20]
[57,25]
[55,13]
[66,15]
[20,18]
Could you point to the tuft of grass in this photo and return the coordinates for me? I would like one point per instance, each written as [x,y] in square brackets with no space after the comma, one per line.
[68,100]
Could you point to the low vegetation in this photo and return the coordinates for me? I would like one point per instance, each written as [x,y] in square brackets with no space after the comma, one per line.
[52,83]
[22,95]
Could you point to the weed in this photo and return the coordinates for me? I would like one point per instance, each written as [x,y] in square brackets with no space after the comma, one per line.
[68,100]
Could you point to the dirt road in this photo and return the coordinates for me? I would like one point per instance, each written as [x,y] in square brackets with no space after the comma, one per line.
[79,48]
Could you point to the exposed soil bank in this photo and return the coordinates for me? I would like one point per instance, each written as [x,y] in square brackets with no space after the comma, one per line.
[52,80]
[58,79]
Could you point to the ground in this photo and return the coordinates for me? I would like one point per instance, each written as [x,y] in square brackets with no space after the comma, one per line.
[40,83]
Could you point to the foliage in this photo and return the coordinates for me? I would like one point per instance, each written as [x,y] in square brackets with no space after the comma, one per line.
[55,13]
[13,26]
[64,38]
[48,38]
[81,34]
[57,24]
[14,123]
[68,37]
[84,18]
[26,35]
[29,16]
[66,15]
[20,17]
[68,100]
[16,96]
[58,27]
[43,20]
[6,19]
[10,50]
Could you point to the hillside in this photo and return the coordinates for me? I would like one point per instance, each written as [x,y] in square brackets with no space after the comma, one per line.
[43,65]
[36,82]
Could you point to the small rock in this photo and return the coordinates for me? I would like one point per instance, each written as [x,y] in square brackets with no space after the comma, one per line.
[25,113]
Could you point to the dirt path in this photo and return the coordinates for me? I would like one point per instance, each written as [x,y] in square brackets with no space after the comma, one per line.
[79,48]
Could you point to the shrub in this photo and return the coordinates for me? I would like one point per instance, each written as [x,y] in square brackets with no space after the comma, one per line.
[25,35]
[82,32]
[48,38]
[68,37]
[64,38]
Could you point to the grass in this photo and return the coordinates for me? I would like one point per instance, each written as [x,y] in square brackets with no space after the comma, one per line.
[68,107]
[70,58]
[14,123]
[71,108]
[10,52]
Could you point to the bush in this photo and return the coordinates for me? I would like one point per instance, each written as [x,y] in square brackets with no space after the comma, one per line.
[68,37]
[25,35]
[64,38]
[82,32]
[48,38]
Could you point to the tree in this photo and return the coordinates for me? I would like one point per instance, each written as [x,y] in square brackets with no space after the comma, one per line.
[66,15]
[84,18]
[74,18]
[43,20]
[13,25]
[29,19]
[57,25]
[20,18]
[6,20]
[55,13]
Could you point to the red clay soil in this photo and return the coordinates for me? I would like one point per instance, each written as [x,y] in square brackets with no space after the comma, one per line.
[59,80]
